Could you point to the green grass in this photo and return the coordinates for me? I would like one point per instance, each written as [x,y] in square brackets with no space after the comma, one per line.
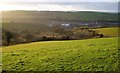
[76,55]
[113,31]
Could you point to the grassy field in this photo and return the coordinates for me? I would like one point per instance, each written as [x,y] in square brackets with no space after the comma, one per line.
[113,31]
[76,55]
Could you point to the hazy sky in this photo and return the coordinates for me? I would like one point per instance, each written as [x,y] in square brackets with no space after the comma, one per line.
[60,5]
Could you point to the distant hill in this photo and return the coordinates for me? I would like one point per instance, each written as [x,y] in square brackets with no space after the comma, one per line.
[48,16]
[19,20]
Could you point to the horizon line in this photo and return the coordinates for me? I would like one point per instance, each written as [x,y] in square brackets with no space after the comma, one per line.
[61,11]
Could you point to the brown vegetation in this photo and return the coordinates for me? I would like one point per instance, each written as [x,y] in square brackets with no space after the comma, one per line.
[57,33]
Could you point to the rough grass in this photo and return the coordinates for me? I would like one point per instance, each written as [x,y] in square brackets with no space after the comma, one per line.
[113,31]
[76,55]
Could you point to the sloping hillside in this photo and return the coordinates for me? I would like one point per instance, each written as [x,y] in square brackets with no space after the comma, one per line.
[76,55]
[42,20]
[113,31]
[48,16]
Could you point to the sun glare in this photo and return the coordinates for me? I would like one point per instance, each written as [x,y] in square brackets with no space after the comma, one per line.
[13,6]
[5,6]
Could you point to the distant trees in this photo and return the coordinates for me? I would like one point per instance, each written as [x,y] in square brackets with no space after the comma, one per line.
[27,36]
[10,38]
[83,33]
[56,33]
[7,36]
[4,39]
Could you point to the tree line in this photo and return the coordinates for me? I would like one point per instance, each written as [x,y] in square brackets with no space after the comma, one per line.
[57,33]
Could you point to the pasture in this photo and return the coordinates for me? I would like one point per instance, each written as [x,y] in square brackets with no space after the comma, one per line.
[111,31]
[99,54]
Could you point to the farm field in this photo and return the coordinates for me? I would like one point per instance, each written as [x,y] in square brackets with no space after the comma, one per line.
[111,31]
[100,54]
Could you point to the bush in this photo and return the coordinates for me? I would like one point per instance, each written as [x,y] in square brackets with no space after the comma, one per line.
[11,38]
